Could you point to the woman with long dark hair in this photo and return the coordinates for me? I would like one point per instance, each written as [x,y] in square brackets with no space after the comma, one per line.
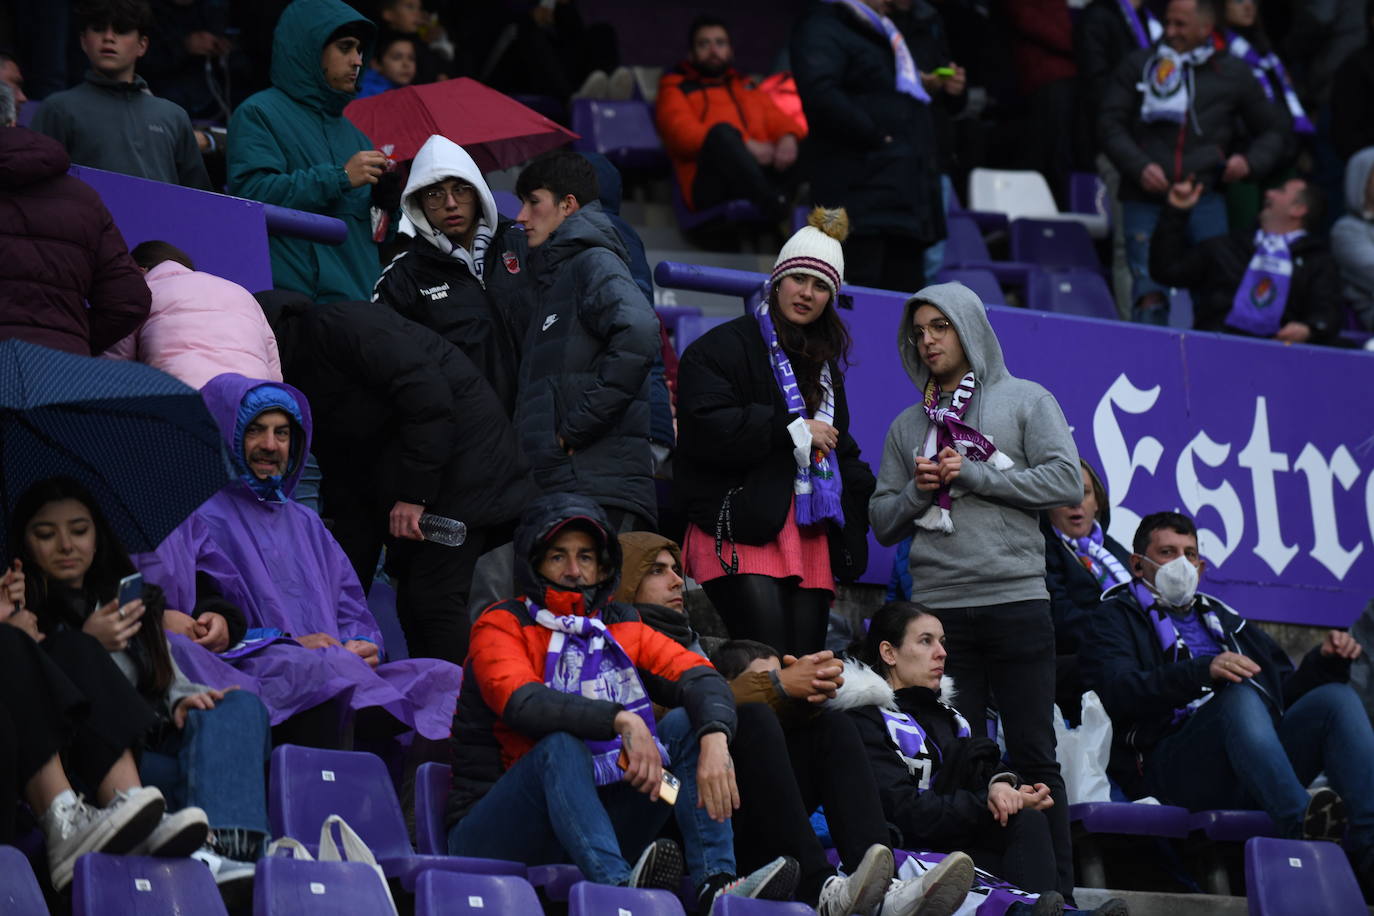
[775,491]
[205,749]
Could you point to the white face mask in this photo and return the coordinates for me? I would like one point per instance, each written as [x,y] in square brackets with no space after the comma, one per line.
[1175,581]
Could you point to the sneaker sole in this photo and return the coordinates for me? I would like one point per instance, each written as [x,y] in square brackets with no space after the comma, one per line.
[947,884]
[1325,817]
[183,837]
[780,883]
[662,870]
[872,878]
[114,837]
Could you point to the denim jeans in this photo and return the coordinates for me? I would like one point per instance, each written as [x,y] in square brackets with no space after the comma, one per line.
[546,809]
[1139,217]
[1233,754]
[217,762]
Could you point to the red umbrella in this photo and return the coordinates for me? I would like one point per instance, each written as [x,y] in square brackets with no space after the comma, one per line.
[496,130]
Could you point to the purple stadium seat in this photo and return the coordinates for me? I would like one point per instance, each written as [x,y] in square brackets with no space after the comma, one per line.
[149,887]
[308,785]
[507,204]
[1072,292]
[1087,194]
[431,796]
[732,211]
[295,887]
[1232,826]
[1293,876]
[20,894]
[744,906]
[1122,818]
[588,899]
[623,132]
[689,329]
[451,894]
[965,249]
[670,315]
[986,220]
[980,281]
[555,881]
[1053,244]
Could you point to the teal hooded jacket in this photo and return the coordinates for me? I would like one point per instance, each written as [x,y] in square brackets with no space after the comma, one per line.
[288,146]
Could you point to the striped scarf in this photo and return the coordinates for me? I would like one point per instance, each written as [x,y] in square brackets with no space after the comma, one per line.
[1257,307]
[1171,642]
[1147,34]
[948,430]
[908,80]
[1262,65]
[909,739]
[1096,558]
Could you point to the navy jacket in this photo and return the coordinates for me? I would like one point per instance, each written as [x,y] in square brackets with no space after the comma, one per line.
[1075,594]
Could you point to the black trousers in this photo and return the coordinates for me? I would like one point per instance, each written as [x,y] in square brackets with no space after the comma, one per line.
[432,586]
[895,262]
[1020,853]
[726,170]
[1007,650]
[783,774]
[776,612]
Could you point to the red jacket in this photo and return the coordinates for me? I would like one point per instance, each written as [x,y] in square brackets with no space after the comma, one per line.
[1043,42]
[690,104]
[59,249]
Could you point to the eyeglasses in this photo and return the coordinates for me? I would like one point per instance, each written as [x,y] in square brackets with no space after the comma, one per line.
[438,196]
[936,329]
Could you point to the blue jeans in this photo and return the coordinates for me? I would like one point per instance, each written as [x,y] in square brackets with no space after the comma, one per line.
[217,762]
[1232,754]
[547,809]
[1138,219]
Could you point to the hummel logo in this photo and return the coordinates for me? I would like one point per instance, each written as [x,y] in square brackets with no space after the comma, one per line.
[548,322]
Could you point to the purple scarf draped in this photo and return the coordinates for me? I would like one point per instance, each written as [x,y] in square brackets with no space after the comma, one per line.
[1258,305]
[1092,552]
[1264,64]
[817,485]
[1143,38]
[909,738]
[584,659]
[1172,643]
[948,430]
[908,80]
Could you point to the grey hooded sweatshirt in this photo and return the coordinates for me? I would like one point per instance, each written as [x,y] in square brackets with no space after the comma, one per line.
[996,553]
[1352,239]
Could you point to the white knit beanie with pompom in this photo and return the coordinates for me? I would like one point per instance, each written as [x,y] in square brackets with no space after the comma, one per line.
[815,249]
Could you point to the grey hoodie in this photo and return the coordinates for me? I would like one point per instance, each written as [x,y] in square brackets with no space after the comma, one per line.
[996,553]
[1352,239]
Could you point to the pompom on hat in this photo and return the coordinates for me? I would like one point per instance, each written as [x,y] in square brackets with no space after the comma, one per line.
[815,249]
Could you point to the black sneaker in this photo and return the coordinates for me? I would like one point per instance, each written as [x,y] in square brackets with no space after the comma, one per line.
[775,881]
[659,867]
[1051,903]
[1324,818]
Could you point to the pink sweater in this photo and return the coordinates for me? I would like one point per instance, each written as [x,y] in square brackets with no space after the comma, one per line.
[201,326]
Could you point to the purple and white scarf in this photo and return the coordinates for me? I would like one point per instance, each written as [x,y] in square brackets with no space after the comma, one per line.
[1092,552]
[1264,64]
[585,660]
[909,739]
[1167,84]
[1263,292]
[1172,643]
[908,80]
[816,486]
[948,429]
[1147,34]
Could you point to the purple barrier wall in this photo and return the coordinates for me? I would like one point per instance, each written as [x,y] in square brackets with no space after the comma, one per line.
[225,236]
[1269,448]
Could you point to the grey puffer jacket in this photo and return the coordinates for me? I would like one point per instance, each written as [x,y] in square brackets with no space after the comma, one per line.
[585,373]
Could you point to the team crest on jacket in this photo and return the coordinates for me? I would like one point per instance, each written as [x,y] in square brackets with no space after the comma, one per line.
[511,261]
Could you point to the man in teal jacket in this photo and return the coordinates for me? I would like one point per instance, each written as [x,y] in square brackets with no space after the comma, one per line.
[291,146]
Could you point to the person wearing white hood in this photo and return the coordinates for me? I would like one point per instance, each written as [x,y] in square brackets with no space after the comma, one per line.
[465,274]
[1352,238]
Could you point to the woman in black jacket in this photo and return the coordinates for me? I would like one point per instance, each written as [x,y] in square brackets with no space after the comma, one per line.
[775,491]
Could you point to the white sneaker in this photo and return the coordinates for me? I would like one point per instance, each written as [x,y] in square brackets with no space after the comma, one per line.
[233,878]
[73,828]
[620,85]
[594,86]
[938,892]
[177,834]
[862,891]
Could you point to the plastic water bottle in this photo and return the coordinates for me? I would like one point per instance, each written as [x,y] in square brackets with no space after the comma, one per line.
[441,530]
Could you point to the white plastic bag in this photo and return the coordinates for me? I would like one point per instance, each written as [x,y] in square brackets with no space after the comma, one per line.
[353,850]
[1083,752]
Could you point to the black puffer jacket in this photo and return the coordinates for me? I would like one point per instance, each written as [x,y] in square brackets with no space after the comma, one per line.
[732,432]
[585,375]
[486,318]
[397,406]
[847,77]
[1225,92]
[1101,40]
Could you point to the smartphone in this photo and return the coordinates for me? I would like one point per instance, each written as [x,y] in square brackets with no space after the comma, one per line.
[943,72]
[668,783]
[130,588]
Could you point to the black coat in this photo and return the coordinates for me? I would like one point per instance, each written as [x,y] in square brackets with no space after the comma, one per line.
[1101,40]
[732,432]
[1141,686]
[399,410]
[1075,594]
[486,319]
[871,149]
[1352,103]
[1214,269]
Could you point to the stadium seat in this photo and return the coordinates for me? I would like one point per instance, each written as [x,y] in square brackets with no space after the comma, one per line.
[507,204]
[1053,244]
[149,887]
[966,250]
[307,785]
[745,906]
[670,315]
[1224,827]
[20,894]
[689,329]
[452,894]
[1024,194]
[1283,877]
[1072,292]
[431,797]
[732,211]
[588,899]
[1088,194]
[555,880]
[986,221]
[981,282]
[623,132]
[296,887]
[1093,819]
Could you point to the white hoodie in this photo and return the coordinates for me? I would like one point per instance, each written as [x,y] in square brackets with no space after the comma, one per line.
[439,159]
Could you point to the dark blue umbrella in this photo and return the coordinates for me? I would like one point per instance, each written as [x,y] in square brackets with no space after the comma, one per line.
[142,442]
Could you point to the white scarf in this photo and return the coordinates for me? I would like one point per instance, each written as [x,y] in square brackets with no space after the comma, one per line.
[1166,87]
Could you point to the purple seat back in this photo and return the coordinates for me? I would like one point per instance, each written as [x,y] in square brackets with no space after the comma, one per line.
[555,880]
[293,887]
[1131,819]
[1087,194]
[432,781]
[1054,244]
[588,899]
[149,887]
[732,211]
[981,282]
[623,132]
[1297,876]
[1072,292]
[20,894]
[309,784]
[964,242]
[689,328]
[454,894]
[1232,826]
[670,315]
[745,906]
[507,204]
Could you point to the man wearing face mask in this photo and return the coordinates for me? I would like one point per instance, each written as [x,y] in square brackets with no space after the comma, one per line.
[1208,712]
